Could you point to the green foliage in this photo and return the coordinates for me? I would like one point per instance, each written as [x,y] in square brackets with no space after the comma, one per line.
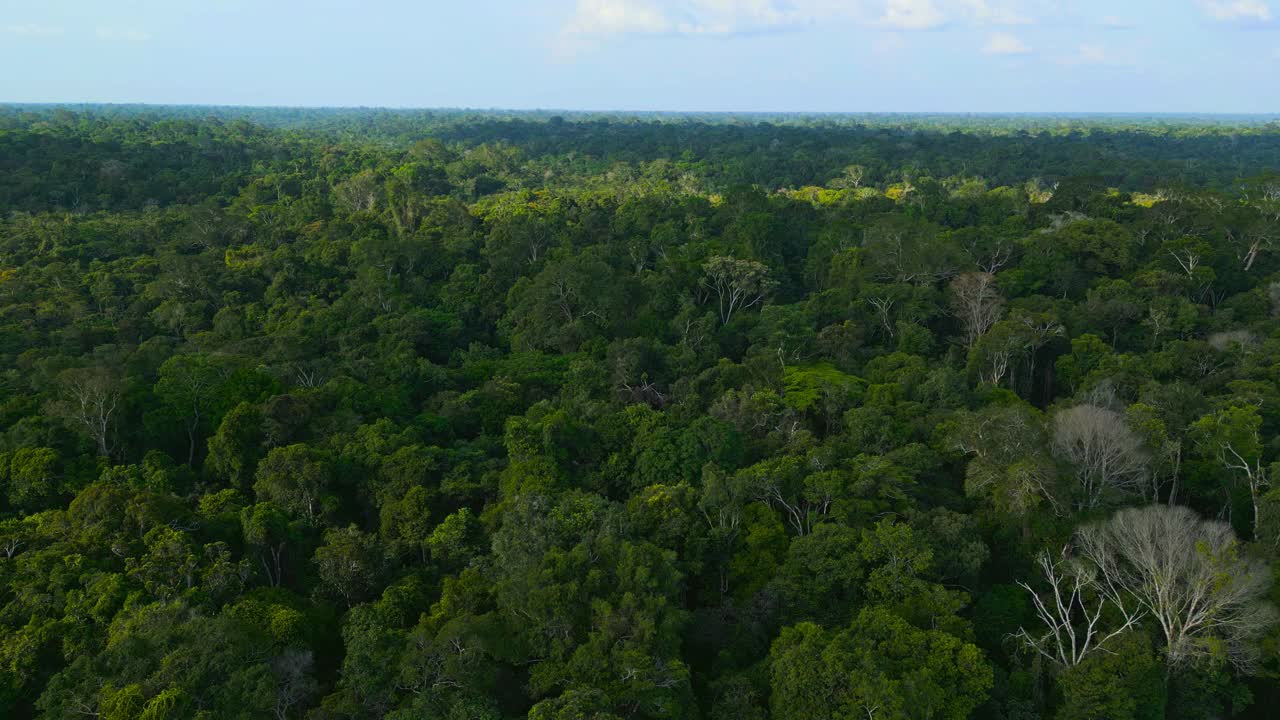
[1125,683]
[478,416]
[878,665]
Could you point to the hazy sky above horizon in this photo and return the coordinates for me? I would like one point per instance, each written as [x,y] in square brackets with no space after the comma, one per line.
[744,55]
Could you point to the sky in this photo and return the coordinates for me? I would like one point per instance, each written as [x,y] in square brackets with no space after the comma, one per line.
[678,55]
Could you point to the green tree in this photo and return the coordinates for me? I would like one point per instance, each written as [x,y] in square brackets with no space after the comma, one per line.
[297,479]
[349,563]
[878,666]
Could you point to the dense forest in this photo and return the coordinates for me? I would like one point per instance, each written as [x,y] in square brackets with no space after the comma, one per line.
[473,416]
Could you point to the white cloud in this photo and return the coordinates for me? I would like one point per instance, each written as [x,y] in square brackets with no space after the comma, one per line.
[1238,10]
[1126,58]
[1092,55]
[33,31]
[727,17]
[982,11]
[912,15]
[1116,22]
[1005,44]
[123,34]
[607,17]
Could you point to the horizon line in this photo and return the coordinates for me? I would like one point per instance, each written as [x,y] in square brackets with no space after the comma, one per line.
[625,111]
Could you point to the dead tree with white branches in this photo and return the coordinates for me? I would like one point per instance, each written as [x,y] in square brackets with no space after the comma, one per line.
[1107,455]
[1191,576]
[90,397]
[1079,613]
[976,303]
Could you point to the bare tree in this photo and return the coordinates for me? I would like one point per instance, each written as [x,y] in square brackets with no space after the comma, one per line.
[1107,455]
[737,284]
[1074,610]
[1255,475]
[883,306]
[1190,576]
[1188,252]
[976,302]
[90,398]
[1251,243]
[359,192]
[294,683]
[997,366]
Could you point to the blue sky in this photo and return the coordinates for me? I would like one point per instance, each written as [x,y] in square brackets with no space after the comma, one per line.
[744,55]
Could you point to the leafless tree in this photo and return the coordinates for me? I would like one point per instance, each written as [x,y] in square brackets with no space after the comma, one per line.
[1074,610]
[1188,258]
[1107,455]
[997,366]
[90,397]
[1190,575]
[1255,476]
[1251,243]
[359,192]
[976,302]
[883,305]
[988,253]
[294,683]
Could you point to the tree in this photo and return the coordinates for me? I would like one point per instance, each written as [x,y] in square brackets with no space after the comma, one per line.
[1166,449]
[804,499]
[169,566]
[824,577]
[359,192]
[851,178]
[196,390]
[349,563]
[186,385]
[297,479]
[267,528]
[1079,611]
[902,249]
[456,540]
[878,667]
[91,397]
[295,682]
[1232,438]
[1108,457]
[237,446]
[977,303]
[1192,578]
[405,522]
[30,477]
[1124,683]
[736,284]
[572,298]
[1009,465]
